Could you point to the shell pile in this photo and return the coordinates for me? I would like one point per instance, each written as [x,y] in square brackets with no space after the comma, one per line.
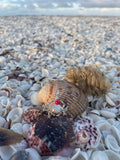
[37,49]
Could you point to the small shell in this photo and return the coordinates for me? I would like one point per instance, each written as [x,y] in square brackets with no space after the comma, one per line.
[17,127]
[31,114]
[94,117]
[112,96]
[87,134]
[20,155]
[107,114]
[79,155]
[103,125]
[116,133]
[109,100]
[112,155]
[25,129]
[2,121]
[15,115]
[19,146]
[33,154]
[99,155]
[6,152]
[72,99]
[34,99]
[112,143]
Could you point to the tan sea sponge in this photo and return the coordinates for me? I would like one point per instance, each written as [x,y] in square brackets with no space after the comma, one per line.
[61,96]
[90,80]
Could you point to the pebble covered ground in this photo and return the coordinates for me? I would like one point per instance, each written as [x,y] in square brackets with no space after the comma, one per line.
[33,47]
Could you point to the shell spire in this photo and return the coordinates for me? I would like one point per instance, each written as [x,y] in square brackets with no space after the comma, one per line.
[90,80]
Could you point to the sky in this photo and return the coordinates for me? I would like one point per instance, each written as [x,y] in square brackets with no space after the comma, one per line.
[60,7]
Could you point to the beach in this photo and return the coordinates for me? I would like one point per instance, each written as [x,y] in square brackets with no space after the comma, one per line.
[33,48]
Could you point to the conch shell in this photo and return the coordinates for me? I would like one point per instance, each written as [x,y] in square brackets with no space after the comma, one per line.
[64,97]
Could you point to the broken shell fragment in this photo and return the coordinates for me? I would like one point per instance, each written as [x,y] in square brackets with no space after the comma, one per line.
[72,100]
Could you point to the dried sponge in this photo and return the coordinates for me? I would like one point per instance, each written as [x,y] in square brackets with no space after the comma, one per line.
[90,80]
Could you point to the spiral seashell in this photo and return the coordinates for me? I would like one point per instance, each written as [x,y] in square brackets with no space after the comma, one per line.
[63,97]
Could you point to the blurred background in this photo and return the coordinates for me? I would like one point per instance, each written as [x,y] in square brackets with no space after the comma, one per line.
[60,7]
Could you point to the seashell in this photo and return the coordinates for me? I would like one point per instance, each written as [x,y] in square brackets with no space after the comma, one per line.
[5,102]
[95,117]
[2,121]
[111,143]
[15,115]
[20,155]
[94,111]
[8,137]
[35,87]
[98,155]
[71,100]
[17,127]
[25,129]
[116,133]
[32,114]
[79,155]
[86,133]
[50,135]
[107,114]
[4,93]
[20,100]
[112,96]
[45,72]
[6,152]
[109,101]
[20,146]
[103,125]
[112,155]
[34,99]
[3,79]
[33,154]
